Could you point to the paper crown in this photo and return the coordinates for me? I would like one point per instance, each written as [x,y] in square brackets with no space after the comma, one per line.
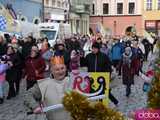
[56,60]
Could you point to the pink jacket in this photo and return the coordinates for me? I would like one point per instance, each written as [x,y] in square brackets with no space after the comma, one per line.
[2,77]
[3,68]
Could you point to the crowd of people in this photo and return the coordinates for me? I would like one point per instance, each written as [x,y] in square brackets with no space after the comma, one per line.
[31,59]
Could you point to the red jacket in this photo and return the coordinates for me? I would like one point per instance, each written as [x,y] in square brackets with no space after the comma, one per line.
[33,64]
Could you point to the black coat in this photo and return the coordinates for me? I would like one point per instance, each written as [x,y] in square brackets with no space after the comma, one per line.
[12,72]
[98,62]
[128,71]
[26,49]
[3,49]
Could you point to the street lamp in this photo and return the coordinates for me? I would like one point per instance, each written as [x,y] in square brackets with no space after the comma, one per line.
[115,25]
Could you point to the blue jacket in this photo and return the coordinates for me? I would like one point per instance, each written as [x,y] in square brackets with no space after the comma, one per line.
[117,51]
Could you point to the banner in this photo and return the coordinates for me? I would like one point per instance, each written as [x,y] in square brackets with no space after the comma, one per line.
[91,84]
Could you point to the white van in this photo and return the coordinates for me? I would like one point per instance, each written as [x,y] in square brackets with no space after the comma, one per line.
[54,31]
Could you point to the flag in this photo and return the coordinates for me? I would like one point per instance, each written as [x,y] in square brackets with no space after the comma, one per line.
[8,18]
[3,23]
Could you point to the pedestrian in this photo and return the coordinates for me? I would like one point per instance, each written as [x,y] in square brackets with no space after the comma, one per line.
[74,61]
[128,70]
[12,74]
[3,67]
[138,57]
[3,46]
[99,62]
[26,47]
[34,67]
[116,54]
[60,50]
[50,91]
[46,54]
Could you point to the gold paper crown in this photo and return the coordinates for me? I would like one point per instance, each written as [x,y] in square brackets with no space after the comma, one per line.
[56,60]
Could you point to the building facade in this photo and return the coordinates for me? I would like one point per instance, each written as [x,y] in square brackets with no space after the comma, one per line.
[79,16]
[151,16]
[117,16]
[25,10]
[56,10]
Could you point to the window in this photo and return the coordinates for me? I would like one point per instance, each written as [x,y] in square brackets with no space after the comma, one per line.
[47,2]
[119,8]
[131,8]
[36,20]
[23,18]
[63,4]
[53,2]
[105,8]
[59,4]
[149,5]
[49,34]
[158,4]
[93,9]
[66,5]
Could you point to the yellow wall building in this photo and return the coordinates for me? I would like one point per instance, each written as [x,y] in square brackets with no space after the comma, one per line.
[151,16]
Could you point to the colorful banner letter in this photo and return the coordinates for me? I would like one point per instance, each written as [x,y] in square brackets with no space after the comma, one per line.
[91,84]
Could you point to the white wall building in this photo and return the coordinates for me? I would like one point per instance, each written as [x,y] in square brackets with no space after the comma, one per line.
[56,10]
[117,15]
[112,6]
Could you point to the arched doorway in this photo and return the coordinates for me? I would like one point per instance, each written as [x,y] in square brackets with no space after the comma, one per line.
[130,30]
[23,18]
[36,20]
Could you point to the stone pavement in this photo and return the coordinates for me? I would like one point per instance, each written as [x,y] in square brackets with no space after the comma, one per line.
[137,99]
[14,110]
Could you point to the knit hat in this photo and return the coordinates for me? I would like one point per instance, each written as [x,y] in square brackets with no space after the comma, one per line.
[96,45]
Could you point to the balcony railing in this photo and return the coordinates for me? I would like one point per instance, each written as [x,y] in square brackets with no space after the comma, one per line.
[81,2]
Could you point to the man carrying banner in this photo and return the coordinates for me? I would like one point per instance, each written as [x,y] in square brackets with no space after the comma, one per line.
[99,62]
[50,91]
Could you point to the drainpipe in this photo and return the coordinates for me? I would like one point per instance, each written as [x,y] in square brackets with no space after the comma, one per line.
[102,19]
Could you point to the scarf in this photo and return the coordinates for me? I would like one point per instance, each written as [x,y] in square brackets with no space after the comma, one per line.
[127,57]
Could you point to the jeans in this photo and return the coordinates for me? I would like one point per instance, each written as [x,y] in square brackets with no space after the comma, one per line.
[1,89]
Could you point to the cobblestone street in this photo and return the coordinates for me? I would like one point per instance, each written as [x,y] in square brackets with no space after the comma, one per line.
[14,110]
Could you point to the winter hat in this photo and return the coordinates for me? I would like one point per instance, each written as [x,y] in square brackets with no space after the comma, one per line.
[96,45]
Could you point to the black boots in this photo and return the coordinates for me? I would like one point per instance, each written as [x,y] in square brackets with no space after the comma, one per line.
[128,90]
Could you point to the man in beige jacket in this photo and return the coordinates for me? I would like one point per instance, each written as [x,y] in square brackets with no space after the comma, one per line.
[50,91]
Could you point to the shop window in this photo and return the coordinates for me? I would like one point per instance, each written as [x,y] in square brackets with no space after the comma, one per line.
[105,8]
[149,5]
[119,8]
[131,8]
